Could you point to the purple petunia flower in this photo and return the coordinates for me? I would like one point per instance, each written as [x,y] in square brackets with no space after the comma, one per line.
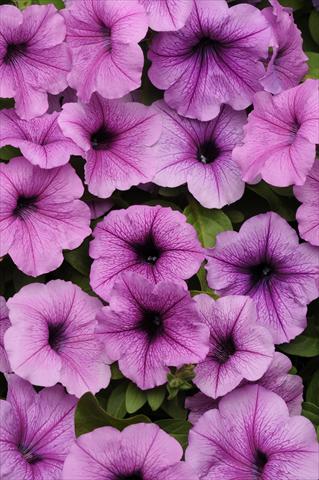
[149,328]
[40,215]
[308,213]
[239,347]
[33,58]
[214,59]
[153,241]
[40,140]
[139,452]
[52,337]
[115,136]
[280,137]
[4,325]
[277,379]
[103,37]
[166,15]
[265,261]
[36,431]
[287,64]
[200,154]
[99,207]
[251,436]
[56,102]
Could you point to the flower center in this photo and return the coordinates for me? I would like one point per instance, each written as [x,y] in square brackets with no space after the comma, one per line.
[133,476]
[224,350]
[261,460]
[25,205]
[56,335]
[28,455]
[102,139]
[14,51]
[148,252]
[261,272]
[207,152]
[152,323]
[205,44]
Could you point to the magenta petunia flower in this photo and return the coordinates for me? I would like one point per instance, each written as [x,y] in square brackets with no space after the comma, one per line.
[277,379]
[149,328]
[36,431]
[308,213]
[280,137]
[251,436]
[56,102]
[214,59]
[40,140]
[4,325]
[40,215]
[103,37]
[166,15]
[153,241]
[116,137]
[287,63]
[239,347]
[99,207]
[33,58]
[139,452]
[200,154]
[52,337]
[265,261]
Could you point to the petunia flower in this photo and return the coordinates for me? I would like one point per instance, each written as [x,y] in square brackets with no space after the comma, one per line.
[139,452]
[99,207]
[36,431]
[116,137]
[239,347]
[40,140]
[200,154]
[52,337]
[280,137]
[308,213]
[214,59]
[148,328]
[287,64]
[153,241]
[251,436]
[277,379]
[4,325]
[103,37]
[34,61]
[40,215]
[166,15]
[265,261]
[56,102]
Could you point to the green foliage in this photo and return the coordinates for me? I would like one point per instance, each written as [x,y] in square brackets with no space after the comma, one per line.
[276,203]
[156,397]
[134,398]
[90,415]
[116,403]
[79,258]
[207,222]
[305,345]
[314,25]
[8,152]
[312,394]
[177,428]
[313,64]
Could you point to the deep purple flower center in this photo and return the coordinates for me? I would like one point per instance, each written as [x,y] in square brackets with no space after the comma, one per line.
[207,152]
[102,139]
[25,205]
[28,455]
[132,476]
[224,350]
[56,335]
[261,272]
[147,252]
[14,51]
[151,323]
[260,461]
[205,44]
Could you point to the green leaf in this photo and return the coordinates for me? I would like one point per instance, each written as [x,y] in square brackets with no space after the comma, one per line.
[207,222]
[90,415]
[116,401]
[155,397]
[57,3]
[235,216]
[8,152]
[275,202]
[171,192]
[312,394]
[313,64]
[176,428]
[82,281]
[314,25]
[134,398]
[175,408]
[311,411]
[79,258]
[304,346]
[295,4]
[6,103]
[116,372]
